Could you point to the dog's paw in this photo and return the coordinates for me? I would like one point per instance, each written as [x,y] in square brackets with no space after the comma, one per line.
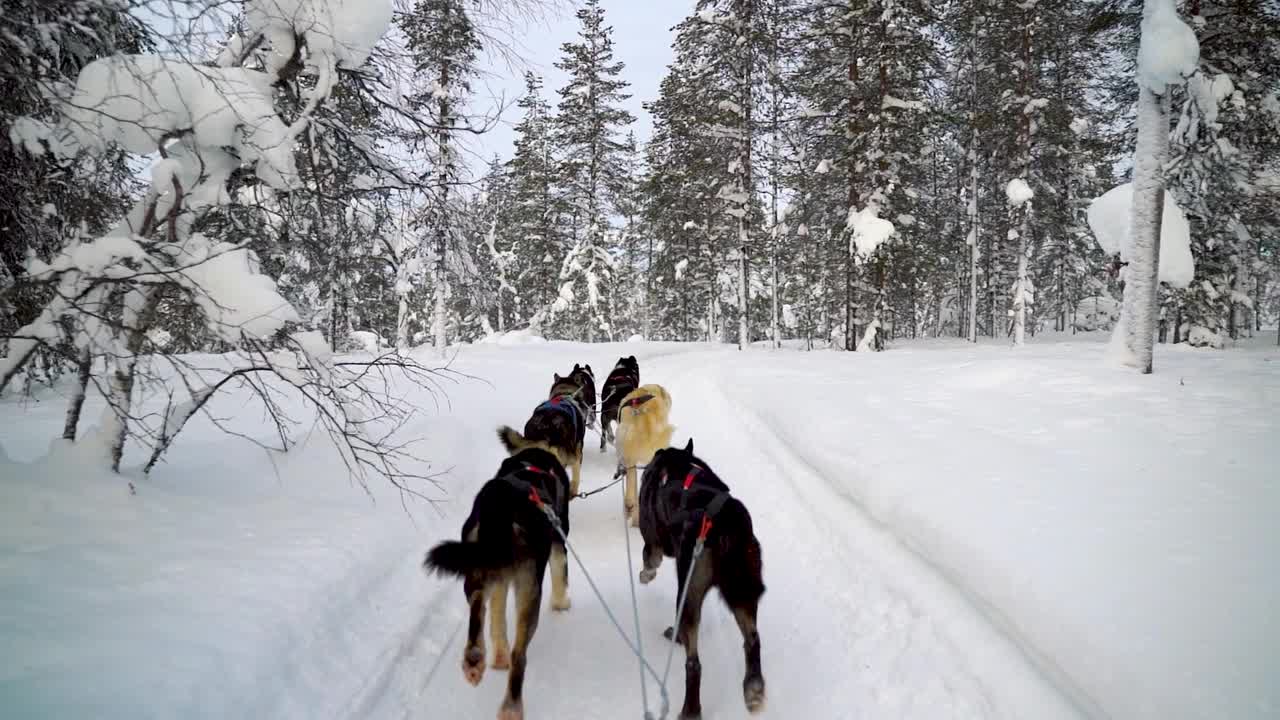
[647,576]
[753,694]
[473,665]
[561,604]
[511,711]
[501,659]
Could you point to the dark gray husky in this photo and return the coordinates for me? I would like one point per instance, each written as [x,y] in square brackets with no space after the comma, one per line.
[624,378]
[558,426]
[681,500]
[508,540]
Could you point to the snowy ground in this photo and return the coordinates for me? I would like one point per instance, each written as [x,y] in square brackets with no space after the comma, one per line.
[949,531]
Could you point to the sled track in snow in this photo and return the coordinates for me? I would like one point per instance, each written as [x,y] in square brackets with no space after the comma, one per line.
[902,607]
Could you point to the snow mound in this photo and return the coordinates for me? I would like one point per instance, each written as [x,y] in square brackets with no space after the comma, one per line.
[870,231]
[235,298]
[514,337]
[367,341]
[1109,217]
[136,101]
[1168,52]
[636,338]
[1018,192]
[343,30]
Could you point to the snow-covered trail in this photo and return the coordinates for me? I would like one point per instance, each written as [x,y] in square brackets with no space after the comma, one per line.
[948,531]
[851,626]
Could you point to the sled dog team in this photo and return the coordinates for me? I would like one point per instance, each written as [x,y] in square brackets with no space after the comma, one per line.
[509,539]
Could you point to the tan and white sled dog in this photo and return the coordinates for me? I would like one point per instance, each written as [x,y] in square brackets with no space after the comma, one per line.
[643,429]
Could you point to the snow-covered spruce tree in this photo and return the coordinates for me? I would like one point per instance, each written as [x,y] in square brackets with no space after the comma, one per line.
[45,203]
[1224,145]
[532,226]
[588,138]
[864,69]
[1073,164]
[444,44]
[733,31]
[633,251]
[218,130]
[970,99]
[495,260]
[688,168]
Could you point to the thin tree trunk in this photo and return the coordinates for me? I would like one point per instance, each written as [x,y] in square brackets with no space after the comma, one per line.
[1020,294]
[402,321]
[84,368]
[136,320]
[1141,289]
[745,185]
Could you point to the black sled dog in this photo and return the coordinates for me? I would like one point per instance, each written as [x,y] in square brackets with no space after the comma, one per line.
[624,378]
[558,426]
[508,541]
[586,379]
[681,500]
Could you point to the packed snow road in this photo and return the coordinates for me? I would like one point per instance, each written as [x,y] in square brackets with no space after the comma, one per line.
[948,531]
[851,626]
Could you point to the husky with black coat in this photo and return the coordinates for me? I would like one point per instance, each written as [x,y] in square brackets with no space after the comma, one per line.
[586,379]
[681,499]
[508,540]
[624,378]
[558,425]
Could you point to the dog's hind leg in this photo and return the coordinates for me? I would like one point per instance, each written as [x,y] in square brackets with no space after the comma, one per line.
[753,692]
[473,654]
[498,625]
[528,586]
[688,637]
[559,578]
[576,480]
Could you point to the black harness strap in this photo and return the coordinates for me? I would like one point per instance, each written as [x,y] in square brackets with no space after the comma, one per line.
[526,487]
[688,517]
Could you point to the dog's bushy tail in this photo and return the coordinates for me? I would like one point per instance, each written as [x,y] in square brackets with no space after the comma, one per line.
[514,442]
[461,559]
[740,562]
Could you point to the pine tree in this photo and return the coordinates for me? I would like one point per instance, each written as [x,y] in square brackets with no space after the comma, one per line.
[588,127]
[532,226]
[444,44]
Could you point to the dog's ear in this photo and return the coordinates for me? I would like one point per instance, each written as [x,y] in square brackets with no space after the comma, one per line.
[588,366]
[558,378]
[576,367]
[689,448]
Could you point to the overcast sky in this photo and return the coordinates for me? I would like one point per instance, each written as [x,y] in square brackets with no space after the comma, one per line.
[641,38]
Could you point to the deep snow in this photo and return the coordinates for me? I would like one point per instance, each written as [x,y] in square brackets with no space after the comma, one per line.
[948,531]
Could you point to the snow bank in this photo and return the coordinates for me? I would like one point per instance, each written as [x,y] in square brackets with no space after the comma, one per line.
[1168,51]
[366,341]
[1089,514]
[513,337]
[1109,218]
[1018,192]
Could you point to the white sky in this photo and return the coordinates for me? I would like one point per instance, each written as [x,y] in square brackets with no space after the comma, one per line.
[641,40]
